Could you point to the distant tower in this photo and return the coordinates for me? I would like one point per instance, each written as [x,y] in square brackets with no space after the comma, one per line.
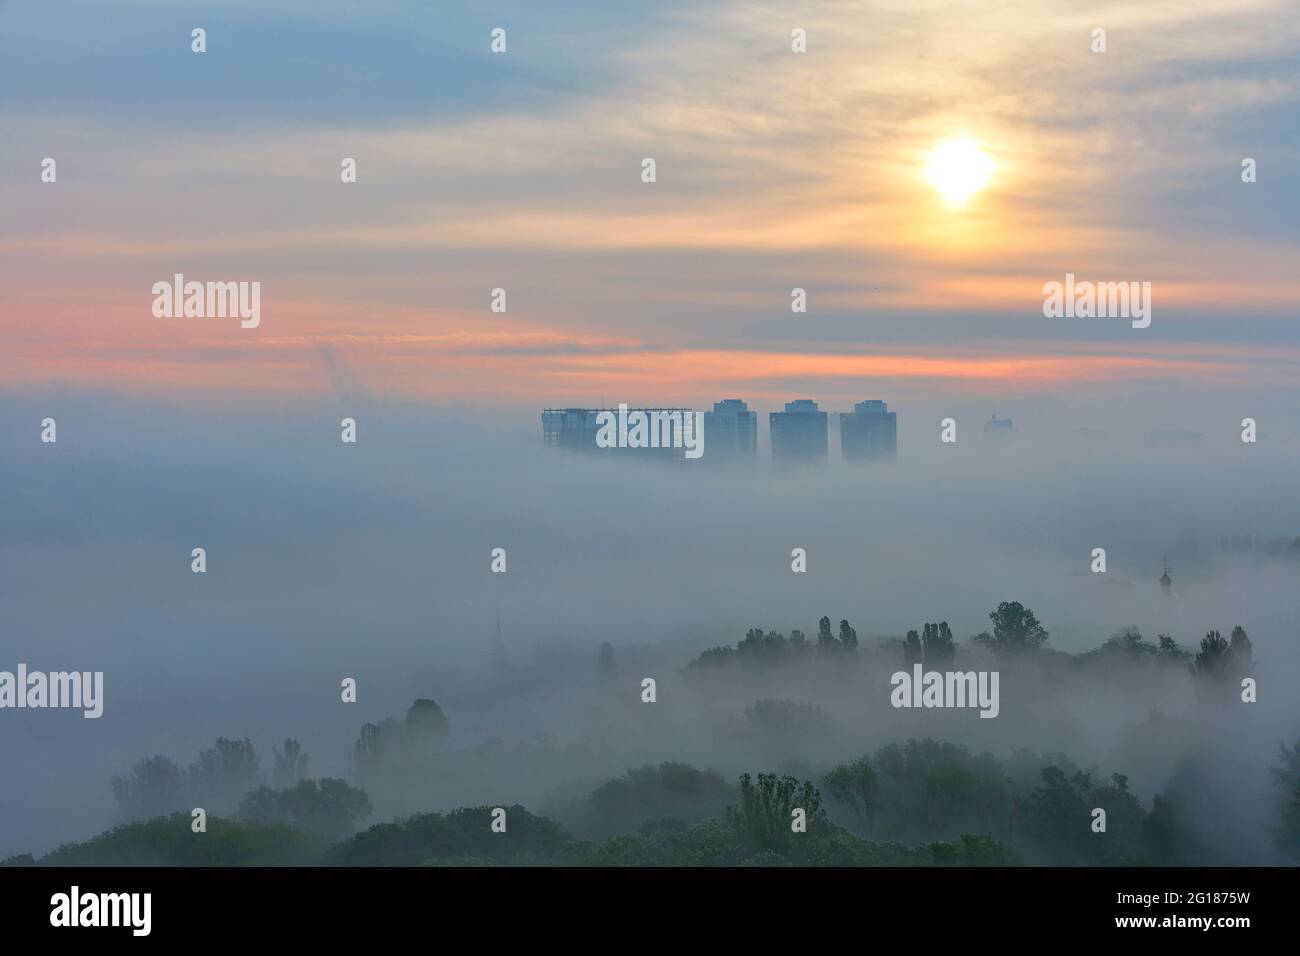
[1165,580]
[998,430]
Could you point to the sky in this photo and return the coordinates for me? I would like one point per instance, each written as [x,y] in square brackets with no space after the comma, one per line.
[522,171]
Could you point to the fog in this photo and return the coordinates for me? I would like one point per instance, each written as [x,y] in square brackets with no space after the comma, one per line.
[371,561]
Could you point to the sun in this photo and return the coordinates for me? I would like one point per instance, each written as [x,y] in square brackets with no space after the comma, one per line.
[958,168]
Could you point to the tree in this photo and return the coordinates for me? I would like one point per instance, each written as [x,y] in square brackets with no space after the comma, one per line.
[606,659]
[912,650]
[290,764]
[855,783]
[1286,783]
[1015,628]
[224,773]
[644,795]
[459,837]
[764,814]
[413,743]
[1169,832]
[1057,815]
[1060,819]
[937,648]
[425,725]
[1169,647]
[1212,660]
[788,721]
[930,789]
[376,745]
[327,807]
[1239,653]
[1129,640]
[154,787]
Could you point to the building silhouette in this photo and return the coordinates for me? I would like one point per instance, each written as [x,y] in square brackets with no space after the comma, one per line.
[575,429]
[998,430]
[1166,582]
[730,432]
[869,433]
[799,434]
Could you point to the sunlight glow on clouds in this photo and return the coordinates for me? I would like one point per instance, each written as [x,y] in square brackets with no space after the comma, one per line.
[775,170]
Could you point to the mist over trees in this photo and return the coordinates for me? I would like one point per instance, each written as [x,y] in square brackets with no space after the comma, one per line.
[918,800]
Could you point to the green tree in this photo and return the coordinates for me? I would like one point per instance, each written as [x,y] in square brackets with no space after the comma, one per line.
[1057,816]
[223,773]
[290,764]
[376,747]
[402,746]
[937,647]
[1168,647]
[463,836]
[425,726]
[765,812]
[1129,640]
[169,841]
[1212,665]
[855,784]
[1239,653]
[1286,784]
[788,721]
[1015,628]
[913,652]
[327,807]
[1168,832]
[154,787]
[1060,816]
[645,795]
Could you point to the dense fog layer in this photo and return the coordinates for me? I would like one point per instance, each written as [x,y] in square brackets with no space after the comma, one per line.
[371,561]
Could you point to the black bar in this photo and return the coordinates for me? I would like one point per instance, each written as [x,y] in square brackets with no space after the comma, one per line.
[545,905]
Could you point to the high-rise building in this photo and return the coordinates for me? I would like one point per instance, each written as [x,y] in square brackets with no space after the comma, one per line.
[730,432]
[576,429]
[799,434]
[998,430]
[869,433]
[570,428]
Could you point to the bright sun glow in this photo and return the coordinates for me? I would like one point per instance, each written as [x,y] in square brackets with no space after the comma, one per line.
[958,168]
